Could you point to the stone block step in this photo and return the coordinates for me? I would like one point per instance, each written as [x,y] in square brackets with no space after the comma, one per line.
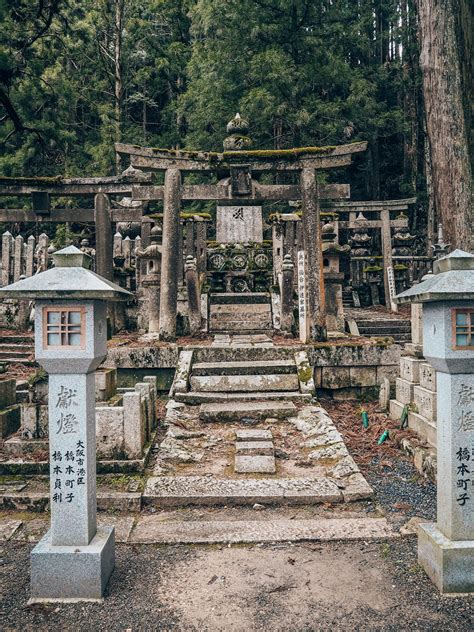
[258,367]
[201,397]
[244,383]
[152,529]
[365,322]
[250,308]
[29,340]
[176,491]
[255,464]
[240,354]
[252,448]
[239,326]
[385,330]
[239,298]
[7,354]
[236,411]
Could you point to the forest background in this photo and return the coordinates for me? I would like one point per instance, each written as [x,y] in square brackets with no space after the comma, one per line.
[78,75]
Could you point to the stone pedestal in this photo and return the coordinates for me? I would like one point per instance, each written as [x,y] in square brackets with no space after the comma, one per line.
[72,573]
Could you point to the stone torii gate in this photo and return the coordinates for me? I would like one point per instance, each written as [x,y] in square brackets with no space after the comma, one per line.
[238,170]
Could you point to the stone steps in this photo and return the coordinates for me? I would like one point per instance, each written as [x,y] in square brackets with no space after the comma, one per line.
[258,367]
[8,354]
[244,383]
[385,330]
[237,411]
[251,308]
[239,298]
[176,491]
[201,397]
[238,326]
[153,530]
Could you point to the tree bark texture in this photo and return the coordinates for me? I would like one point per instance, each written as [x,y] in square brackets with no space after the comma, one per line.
[448,134]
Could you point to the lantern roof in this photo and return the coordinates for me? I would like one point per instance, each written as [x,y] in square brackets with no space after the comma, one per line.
[453,280]
[69,279]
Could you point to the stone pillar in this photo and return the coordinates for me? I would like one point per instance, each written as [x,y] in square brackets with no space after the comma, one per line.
[30,256]
[287,293]
[104,265]
[170,258]
[194,295]
[18,258]
[277,245]
[313,247]
[7,244]
[386,252]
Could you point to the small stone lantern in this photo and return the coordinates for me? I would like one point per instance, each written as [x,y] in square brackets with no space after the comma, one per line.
[151,282]
[75,558]
[446,549]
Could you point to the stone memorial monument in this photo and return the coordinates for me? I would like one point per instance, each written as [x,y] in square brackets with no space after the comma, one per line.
[75,558]
[446,549]
[239,224]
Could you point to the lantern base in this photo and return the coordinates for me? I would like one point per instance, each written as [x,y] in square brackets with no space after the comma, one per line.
[448,563]
[72,573]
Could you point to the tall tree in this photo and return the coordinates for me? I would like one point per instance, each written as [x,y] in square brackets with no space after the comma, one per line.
[445,32]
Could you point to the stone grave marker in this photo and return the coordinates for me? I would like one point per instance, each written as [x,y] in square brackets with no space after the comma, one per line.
[302,297]
[446,549]
[74,560]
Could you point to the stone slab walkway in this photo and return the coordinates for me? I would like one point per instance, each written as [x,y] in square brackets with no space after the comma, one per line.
[152,530]
[244,341]
[175,491]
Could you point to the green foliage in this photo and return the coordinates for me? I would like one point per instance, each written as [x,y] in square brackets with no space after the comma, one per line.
[305,73]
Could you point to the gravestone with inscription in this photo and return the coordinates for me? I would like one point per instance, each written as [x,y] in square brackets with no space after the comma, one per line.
[75,558]
[446,549]
[239,224]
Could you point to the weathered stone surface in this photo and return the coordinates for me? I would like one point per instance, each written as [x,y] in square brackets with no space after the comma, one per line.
[235,411]
[252,448]
[363,375]
[244,383]
[427,376]
[201,397]
[72,572]
[243,367]
[410,369]
[423,427]
[255,464]
[239,224]
[396,409]
[142,357]
[425,401]
[151,530]
[8,528]
[169,491]
[9,420]
[448,563]
[183,370]
[305,372]
[356,488]
[105,384]
[336,377]
[7,393]
[404,391]
[384,394]
[253,434]
[109,428]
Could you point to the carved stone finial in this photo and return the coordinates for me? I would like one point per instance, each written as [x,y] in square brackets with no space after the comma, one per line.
[238,129]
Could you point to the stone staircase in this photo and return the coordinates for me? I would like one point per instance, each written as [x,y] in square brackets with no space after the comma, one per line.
[397,328]
[240,313]
[229,377]
[17,348]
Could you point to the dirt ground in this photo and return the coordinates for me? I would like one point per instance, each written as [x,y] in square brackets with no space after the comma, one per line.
[335,586]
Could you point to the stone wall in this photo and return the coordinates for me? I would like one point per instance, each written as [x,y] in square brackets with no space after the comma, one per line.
[416,388]
[125,421]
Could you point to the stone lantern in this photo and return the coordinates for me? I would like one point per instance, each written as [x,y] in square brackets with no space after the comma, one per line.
[446,549]
[75,558]
[151,282]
